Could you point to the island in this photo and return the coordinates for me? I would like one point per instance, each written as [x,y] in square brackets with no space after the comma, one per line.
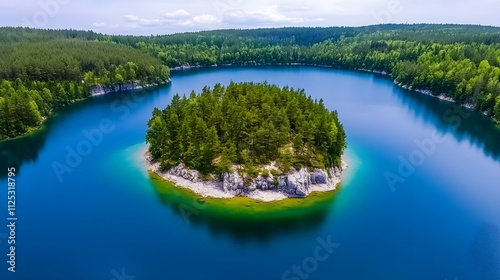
[44,70]
[247,139]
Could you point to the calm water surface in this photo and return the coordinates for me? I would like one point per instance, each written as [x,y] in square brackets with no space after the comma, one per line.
[436,218]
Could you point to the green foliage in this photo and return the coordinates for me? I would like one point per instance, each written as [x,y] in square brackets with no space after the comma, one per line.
[235,125]
[459,61]
[275,180]
[275,172]
[57,67]
[43,70]
[265,173]
[497,109]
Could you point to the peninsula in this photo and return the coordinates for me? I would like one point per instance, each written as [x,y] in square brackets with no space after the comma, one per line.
[247,139]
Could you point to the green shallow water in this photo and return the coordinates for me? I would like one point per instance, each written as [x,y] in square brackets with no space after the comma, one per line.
[243,207]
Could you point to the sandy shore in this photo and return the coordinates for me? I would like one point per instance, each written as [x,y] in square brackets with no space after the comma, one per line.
[211,189]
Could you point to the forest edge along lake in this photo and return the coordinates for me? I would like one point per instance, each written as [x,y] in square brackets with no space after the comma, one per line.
[443,217]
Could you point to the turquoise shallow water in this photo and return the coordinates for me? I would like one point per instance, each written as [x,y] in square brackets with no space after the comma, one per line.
[106,220]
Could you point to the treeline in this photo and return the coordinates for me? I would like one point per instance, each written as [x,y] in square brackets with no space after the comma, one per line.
[42,70]
[24,106]
[459,61]
[469,74]
[25,35]
[247,125]
[72,59]
[307,36]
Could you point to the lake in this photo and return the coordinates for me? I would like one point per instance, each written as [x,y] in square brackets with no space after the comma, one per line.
[421,198]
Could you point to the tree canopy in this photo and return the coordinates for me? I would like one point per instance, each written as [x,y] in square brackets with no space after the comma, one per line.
[246,124]
[40,71]
[461,62]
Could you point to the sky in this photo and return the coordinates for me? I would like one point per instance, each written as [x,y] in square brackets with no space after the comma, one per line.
[147,17]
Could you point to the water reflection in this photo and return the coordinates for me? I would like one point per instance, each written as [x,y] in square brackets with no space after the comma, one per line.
[242,227]
[261,231]
[464,124]
[17,152]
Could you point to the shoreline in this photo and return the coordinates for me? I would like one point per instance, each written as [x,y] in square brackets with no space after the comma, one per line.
[378,72]
[98,90]
[188,67]
[216,189]
[93,93]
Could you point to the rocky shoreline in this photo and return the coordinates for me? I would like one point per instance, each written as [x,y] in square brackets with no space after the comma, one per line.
[296,184]
[100,89]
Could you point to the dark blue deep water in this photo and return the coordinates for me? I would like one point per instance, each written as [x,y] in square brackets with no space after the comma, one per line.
[437,217]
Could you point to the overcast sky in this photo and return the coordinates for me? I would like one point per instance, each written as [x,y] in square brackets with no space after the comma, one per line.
[166,16]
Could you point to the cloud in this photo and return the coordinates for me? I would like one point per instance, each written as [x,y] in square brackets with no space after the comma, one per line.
[132,18]
[205,18]
[99,24]
[266,15]
[177,18]
[178,14]
[151,22]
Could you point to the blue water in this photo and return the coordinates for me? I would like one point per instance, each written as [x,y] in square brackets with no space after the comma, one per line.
[106,220]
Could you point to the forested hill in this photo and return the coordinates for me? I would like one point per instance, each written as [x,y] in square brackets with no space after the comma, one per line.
[459,61]
[307,36]
[41,70]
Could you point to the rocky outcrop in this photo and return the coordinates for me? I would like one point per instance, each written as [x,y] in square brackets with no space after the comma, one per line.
[182,171]
[232,182]
[271,188]
[100,89]
[297,183]
[261,183]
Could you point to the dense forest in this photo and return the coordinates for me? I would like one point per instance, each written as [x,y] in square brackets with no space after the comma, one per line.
[457,61]
[246,125]
[41,70]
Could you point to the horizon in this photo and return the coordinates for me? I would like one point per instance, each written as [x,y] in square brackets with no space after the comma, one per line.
[130,18]
[243,29]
